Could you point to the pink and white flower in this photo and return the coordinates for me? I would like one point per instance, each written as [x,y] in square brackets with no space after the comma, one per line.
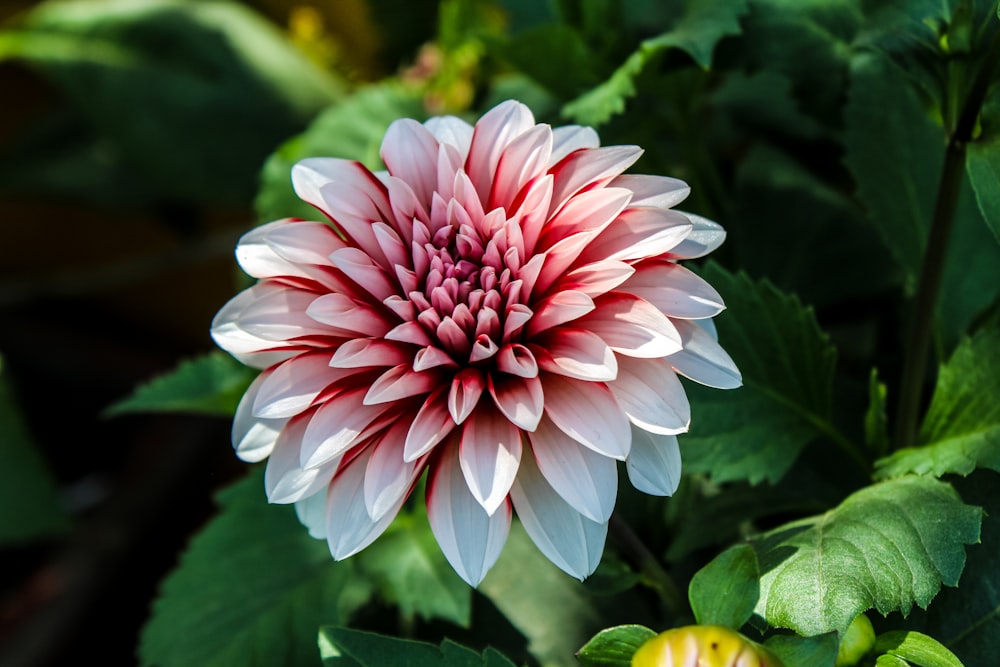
[502,308]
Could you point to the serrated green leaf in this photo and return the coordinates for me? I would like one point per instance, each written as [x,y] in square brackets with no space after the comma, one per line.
[725,591]
[756,432]
[876,419]
[414,574]
[211,384]
[614,647]
[29,504]
[342,647]
[792,650]
[961,431]
[916,648]
[700,27]
[193,95]
[352,129]
[888,546]
[983,166]
[251,589]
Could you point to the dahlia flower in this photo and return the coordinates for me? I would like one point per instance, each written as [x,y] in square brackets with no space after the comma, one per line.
[501,308]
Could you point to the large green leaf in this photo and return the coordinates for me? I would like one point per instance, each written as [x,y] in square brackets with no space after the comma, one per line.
[888,547]
[29,505]
[252,589]
[983,166]
[192,95]
[351,129]
[210,384]
[756,432]
[962,429]
[413,573]
[916,648]
[700,26]
[725,591]
[342,647]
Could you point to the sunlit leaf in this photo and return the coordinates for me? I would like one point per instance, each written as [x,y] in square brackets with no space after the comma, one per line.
[341,647]
[725,591]
[252,589]
[756,432]
[961,431]
[916,648]
[889,547]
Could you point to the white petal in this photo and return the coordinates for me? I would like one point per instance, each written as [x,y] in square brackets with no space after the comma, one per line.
[292,386]
[470,538]
[655,191]
[578,354]
[588,481]
[520,399]
[632,326]
[311,512]
[389,477]
[654,464]
[588,413]
[285,480]
[254,438]
[651,395]
[703,359]
[493,132]
[675,290]
[567,538]
[431,425]
[569,138]
[489,455]
[451,130]
[349,527]
[410,152]
[594,166]
[639,233]
[705,237]
[337,426]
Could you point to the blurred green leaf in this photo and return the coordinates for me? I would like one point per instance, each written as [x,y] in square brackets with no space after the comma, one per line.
[252,589]
[792,650]
[876,418]
[756,432]
[725,591]
[413,573]
[916,648]
[614,647]
[983,165]
[887,546]
[556,56]
[192,95]
[341,647]
[29,505]
[352,129]
[211,384]
[961,431]
[700,26]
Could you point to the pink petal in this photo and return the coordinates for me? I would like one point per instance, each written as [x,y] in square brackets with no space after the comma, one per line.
[466,389]
[497,128]
[489,455]
[588,481]
[254,438]
[311,175]
[409,332]
[654,464]
[589,167]
[519,399]
[654,191]
[287,248]
[336,427]
[345,314]
[589,211]
[369,352]
[470,538]
[523,159]
[576,353]
[431,357]
[277,313]
[639,233]
[451,130]
[705,237]
[703,359]
[632,326]
[360,268]
[530,210]
[396,252]
[588,413]
[560,307]
[349,527]
[569,138]
[400,382]
[651,395]
[389,478]
[431,425]
[292,386]
[675,290]
[517,360]
[597,278]
[567,538]
[410,151]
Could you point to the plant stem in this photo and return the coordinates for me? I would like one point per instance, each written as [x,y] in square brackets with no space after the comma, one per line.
[643,559]
[949,187]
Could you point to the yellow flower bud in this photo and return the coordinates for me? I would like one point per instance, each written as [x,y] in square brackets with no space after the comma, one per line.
[702,646]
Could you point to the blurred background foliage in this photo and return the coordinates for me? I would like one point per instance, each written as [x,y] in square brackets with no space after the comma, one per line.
[140,138]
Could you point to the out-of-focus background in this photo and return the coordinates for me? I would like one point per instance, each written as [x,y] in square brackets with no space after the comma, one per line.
[131,138]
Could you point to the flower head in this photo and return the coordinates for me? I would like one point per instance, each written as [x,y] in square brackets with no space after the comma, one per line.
[501,308]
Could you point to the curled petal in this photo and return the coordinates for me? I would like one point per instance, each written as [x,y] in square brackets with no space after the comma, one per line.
[519,399]
[465,391]
[577,354]
[431,425]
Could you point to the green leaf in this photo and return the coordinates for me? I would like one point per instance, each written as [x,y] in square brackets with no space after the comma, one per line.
[876,419]
[700,27]
[193,95]
[887,546]
[251,589]
[29,503]
[211,384]
[792,650]
[983,166]
[916,648]
[756,432]
[890,661]
[413,573]
[341,647]
[352,129]
[961,431]
[725,591]
[614,647]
